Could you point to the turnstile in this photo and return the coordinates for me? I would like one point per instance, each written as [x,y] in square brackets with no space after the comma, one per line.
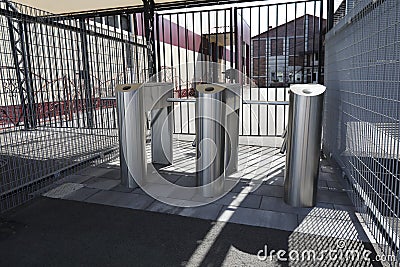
[303,144]
[134,101]
[217,135]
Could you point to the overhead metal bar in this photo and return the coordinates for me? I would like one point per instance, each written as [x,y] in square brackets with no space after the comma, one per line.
[13,14]
[157,7]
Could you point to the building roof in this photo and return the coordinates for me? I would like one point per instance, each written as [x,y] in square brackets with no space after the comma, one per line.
[285,28]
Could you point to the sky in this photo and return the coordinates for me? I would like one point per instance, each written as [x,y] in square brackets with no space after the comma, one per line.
[258,18]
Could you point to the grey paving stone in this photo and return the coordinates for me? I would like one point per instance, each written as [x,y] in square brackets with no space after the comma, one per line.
[275,180]
[170,177]
[323,184]
[208,212]
[328,169]
[158,190]
[335,185]
[119,199]
[325,205]
[269,190]
[62,190]
[239,187]
[74,178]
[327,177]
[344,207]
[82,194]
[330,214]
[333,197]
[278,204]
[122,188]
[183,193]
[262,218]
[139,191]
[187,181]
[161,207]
[94,171]
[111,174]
[245,200]
[101,183]
[332,227]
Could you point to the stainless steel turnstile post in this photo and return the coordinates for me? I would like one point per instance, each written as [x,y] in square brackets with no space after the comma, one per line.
[217,135]
[133,101]
[303,144]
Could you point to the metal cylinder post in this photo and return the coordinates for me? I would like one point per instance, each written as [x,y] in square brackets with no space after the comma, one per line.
[217,135]
[134,100]
[303,144]
[132,134]
[210,136]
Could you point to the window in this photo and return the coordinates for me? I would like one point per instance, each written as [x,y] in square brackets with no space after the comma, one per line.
[259,48]
[276,47]
[99,19]
[296,46]
[112,21]
[125,23]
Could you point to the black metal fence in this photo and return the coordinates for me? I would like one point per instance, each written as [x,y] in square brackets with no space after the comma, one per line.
[58,73]
[57,104]
[271,46]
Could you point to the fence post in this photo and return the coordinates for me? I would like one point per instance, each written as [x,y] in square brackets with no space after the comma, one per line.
[331,12]
[85,74]
[149,34]
[20,53]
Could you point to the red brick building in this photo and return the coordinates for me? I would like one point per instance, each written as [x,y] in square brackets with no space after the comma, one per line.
[288,53]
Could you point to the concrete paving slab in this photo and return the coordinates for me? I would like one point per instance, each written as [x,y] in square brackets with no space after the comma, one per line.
[95,171]
[208,212]
[279,205]
[161,207]
[62,190]
[74,178]
[270,219]
[333,197]
[332,227]
[118,199]
[82,194]
[111,174]
[122,188]
[101,183]
[269,190]
[187,181]
[246,200]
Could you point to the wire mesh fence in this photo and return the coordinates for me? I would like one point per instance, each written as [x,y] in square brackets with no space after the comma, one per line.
[57,101]
[361,128]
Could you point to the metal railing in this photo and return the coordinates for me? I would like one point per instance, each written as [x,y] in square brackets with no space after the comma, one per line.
[57,79]
[58,74]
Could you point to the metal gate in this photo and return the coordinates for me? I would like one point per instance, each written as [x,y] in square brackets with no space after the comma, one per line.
[271,46]
[58,74]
